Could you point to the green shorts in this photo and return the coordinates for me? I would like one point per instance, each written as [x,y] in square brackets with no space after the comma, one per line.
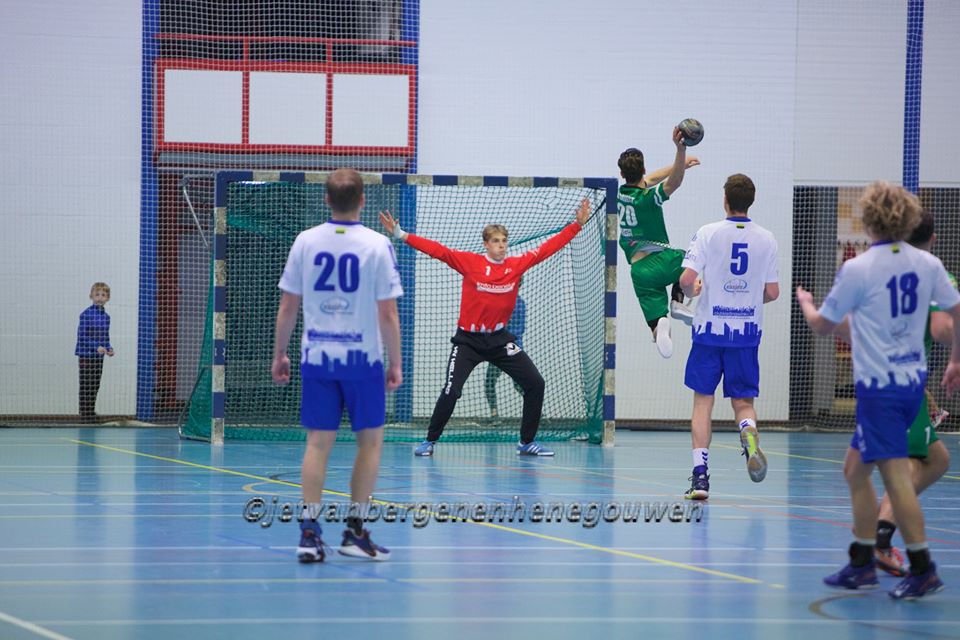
[651,276]
[921,434]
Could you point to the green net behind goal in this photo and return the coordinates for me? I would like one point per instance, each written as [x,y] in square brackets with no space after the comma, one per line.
[563,329]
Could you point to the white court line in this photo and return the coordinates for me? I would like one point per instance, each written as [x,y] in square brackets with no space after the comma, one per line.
[432,501]
[33,628]
[498,620]
[65,582]
[64,494]
[21,505]
[438,563]
[102,516]
[525,549]
[839,509]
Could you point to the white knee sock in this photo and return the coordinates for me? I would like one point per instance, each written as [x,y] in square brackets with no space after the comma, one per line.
[700,457]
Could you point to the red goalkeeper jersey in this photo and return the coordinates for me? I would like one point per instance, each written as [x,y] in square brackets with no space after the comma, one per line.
[489,290]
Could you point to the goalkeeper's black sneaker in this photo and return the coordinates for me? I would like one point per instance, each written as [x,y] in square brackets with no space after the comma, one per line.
[699,485]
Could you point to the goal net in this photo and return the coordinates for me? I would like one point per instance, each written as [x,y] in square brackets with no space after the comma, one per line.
[258,215]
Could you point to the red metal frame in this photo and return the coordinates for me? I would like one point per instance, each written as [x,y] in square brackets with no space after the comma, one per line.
[246,66]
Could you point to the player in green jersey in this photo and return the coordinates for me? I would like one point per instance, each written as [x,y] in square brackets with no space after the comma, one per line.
[654,264]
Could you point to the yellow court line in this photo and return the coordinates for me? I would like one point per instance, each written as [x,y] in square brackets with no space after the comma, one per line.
[785,455]
[541,536]
[800,457]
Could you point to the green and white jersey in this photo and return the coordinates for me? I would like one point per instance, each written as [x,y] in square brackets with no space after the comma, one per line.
[928,338]
[641,219]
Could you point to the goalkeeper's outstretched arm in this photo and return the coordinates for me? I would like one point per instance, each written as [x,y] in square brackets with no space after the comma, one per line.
[454,259]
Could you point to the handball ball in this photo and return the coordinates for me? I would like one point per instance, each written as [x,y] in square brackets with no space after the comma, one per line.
[692,131]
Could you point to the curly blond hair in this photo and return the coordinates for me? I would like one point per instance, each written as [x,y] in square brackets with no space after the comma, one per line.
[890,212]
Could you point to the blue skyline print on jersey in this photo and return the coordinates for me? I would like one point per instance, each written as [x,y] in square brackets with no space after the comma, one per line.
[730,337]
[357,367]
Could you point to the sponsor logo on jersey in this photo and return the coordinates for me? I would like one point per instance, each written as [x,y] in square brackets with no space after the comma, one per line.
[720,311]
[736,285]
[334,336]
[904,358]
[496,288]
[900,330]
[335,306]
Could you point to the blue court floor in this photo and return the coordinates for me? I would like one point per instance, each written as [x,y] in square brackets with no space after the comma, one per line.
[115,533]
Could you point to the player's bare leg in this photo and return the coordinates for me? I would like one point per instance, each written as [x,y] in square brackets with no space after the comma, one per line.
[701,433]
[860,572]
[313,473]
[746,418]
[356,540]
[923,579]
[924,472]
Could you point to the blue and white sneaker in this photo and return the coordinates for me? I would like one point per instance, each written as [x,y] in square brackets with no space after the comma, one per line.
[917,586]
[533,449]
[311,548]
[362,547]
[424,449]
[699,485]
[851,577]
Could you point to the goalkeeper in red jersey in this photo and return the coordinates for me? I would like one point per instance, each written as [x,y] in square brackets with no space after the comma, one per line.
[487,300]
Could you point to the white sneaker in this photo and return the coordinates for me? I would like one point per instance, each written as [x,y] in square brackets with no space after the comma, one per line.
[682,312]
[937,419]
[661,335]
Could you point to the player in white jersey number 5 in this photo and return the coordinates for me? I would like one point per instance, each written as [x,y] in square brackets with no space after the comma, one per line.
[732,266]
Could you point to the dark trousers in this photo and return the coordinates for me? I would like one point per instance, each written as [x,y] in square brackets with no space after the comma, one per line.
[91,369]
[498,348]
[490,386]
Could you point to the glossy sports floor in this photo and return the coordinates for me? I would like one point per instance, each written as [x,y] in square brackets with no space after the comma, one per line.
[117,533]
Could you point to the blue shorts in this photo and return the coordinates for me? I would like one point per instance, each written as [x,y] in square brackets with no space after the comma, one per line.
[883,422]
[323,401]
[738,366]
